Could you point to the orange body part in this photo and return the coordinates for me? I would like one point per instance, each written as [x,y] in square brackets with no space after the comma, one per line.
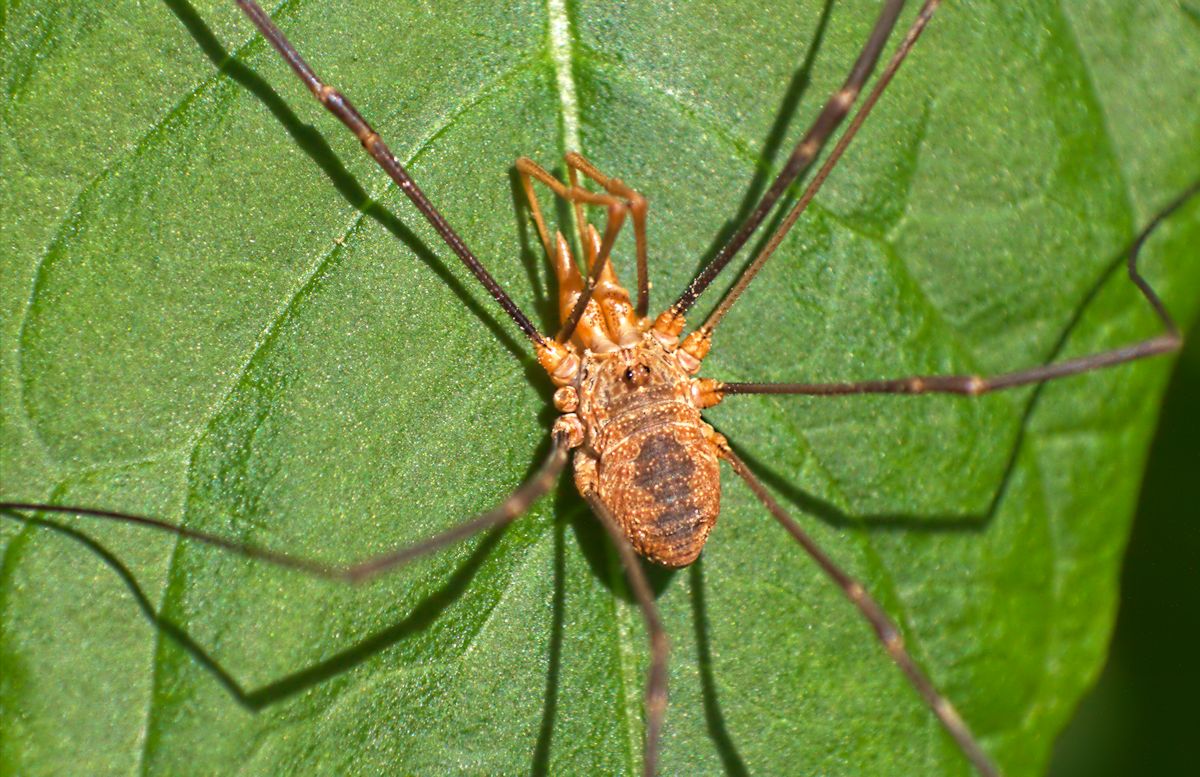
[631,409]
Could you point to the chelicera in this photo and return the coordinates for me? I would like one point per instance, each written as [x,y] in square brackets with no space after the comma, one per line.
[629,386]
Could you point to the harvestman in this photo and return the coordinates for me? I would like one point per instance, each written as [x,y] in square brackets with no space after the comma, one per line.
[645,461]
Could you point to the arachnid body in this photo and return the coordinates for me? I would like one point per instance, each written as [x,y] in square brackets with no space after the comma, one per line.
[647,454]
[218,325]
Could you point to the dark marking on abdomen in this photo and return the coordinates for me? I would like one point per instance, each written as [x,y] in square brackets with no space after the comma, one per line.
[663,469]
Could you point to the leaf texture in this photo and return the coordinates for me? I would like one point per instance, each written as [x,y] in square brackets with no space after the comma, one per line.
[217,311]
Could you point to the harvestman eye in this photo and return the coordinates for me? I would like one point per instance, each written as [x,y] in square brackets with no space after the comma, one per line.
[643,457]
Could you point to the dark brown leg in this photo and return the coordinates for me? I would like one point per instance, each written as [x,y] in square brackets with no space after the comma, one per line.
[885,78]
[885,630]
[360,571]
[656,678]
[340,107]
[805,152]
[974,385]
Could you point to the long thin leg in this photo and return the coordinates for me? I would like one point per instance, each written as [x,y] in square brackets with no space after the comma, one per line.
[360,571]
[885,630]
[528,171]
[637,209]
[885,78]
[617,210]
[974,385]
[656,678]
[535,208]
[805,152]
[340,107]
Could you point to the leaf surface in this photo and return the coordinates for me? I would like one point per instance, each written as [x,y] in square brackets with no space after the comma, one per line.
[217,311]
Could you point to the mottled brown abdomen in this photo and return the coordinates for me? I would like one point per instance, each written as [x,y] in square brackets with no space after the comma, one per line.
[662,483]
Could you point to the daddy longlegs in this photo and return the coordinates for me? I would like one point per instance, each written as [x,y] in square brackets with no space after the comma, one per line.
[617,329]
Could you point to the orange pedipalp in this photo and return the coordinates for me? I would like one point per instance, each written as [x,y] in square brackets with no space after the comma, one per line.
[590,333]
[622,324]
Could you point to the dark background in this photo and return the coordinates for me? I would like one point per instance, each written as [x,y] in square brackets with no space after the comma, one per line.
[1143,716]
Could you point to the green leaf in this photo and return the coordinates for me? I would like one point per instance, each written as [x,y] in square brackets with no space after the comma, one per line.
[218,311]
